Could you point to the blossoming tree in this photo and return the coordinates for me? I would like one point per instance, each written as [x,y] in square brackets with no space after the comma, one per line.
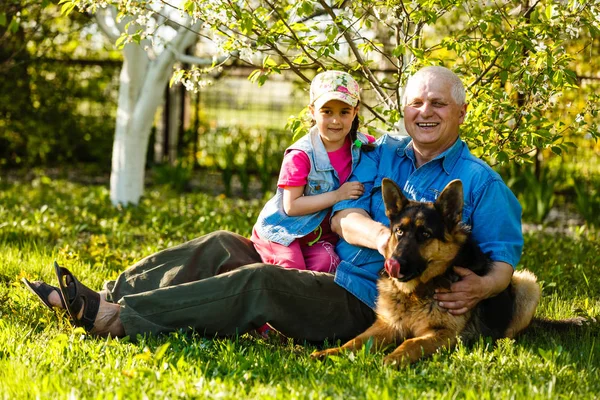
[516,58]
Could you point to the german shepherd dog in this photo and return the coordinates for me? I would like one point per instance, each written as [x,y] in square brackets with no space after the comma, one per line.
[427,240]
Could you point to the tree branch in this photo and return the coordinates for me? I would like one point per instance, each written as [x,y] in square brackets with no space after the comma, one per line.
[294,36]
[110,29]
[375,84]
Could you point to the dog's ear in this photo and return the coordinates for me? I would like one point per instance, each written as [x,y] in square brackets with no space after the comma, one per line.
[393,197]
[450,203]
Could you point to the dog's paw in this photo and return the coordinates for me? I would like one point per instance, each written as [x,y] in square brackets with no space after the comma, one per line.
[320,355]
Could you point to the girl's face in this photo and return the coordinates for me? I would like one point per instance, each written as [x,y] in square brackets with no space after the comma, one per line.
[334,120]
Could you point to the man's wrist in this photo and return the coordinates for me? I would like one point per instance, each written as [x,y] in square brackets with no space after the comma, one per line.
[381,239]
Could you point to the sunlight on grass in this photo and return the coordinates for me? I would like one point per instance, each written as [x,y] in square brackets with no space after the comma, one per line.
[42,356]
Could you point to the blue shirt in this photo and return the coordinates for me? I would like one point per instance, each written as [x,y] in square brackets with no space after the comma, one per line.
[490,208]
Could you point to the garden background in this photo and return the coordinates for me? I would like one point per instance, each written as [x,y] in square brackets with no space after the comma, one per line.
[205,96]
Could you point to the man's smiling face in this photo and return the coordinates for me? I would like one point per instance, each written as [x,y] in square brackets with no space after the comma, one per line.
[431,115]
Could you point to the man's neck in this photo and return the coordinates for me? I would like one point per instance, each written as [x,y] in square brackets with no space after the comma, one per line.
[424,154]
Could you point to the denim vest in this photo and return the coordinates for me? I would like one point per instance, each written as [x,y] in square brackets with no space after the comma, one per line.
[273,223]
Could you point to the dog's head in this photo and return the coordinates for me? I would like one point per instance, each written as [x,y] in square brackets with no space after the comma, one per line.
[425,237]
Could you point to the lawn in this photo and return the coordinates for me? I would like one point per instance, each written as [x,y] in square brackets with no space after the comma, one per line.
[41,356]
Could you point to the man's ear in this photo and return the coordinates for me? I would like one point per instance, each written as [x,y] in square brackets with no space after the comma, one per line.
[463,113]
[393,198]
[450,203]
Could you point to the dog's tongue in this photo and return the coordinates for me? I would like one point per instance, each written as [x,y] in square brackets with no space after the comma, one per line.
[392,267]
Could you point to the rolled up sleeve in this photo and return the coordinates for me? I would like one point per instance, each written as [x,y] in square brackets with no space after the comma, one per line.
[496,223]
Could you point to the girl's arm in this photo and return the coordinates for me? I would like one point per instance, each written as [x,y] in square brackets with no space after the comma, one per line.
[295,203]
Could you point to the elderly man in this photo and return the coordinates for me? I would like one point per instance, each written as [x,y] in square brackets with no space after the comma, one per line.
[217,284]
[434,108]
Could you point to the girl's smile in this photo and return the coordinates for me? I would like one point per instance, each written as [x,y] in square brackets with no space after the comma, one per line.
[334,120]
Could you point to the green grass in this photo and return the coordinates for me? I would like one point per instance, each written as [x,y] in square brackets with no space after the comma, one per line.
[41,356]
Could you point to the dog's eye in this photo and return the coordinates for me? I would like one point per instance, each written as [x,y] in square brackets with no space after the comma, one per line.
[399,232]
[426,235]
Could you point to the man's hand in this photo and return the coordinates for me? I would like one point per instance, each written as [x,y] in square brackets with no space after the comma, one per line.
[358,228]
[464,294]
[472,288]
[382,240]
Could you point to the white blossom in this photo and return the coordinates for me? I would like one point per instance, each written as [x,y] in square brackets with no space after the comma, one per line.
[572,31]
[540,46]
[246,54]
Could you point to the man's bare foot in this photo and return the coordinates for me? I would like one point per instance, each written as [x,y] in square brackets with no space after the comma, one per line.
[55,300]
[107,321]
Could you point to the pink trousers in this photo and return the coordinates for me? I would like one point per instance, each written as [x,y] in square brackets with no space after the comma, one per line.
[320,256]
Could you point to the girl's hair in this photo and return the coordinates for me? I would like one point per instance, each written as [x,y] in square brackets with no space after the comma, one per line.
[366,147]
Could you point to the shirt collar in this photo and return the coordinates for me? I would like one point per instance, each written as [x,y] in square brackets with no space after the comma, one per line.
[448,158]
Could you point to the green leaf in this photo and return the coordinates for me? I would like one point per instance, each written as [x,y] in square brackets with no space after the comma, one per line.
[549,10]
[300,59]
[2,19]
[13,27]
[262,79]
[254,75]
[557,78]
[247,23]
[136,37]
[122,41]
[189,6]
[502,157]
[176,77]
[398,51]
[269,62]
[306,8]
[67,8]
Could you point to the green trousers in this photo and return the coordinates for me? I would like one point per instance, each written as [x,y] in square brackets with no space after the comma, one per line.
[217,285]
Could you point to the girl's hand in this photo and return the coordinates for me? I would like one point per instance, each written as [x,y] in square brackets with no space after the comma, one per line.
[349,190]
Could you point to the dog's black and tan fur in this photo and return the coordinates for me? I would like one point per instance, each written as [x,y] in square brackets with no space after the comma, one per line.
[427,240]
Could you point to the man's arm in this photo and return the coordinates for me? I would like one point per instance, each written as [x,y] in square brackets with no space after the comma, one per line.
[357,227]
[502,238]
[472,288]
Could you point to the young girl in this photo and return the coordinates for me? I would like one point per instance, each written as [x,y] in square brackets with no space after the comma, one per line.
[293,228]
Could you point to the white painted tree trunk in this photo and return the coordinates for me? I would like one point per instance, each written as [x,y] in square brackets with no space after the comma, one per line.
[141,90]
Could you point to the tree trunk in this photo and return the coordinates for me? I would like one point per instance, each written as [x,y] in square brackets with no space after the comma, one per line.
[141,91]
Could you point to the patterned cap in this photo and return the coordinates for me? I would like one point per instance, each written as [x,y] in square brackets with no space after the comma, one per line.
[334,85]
